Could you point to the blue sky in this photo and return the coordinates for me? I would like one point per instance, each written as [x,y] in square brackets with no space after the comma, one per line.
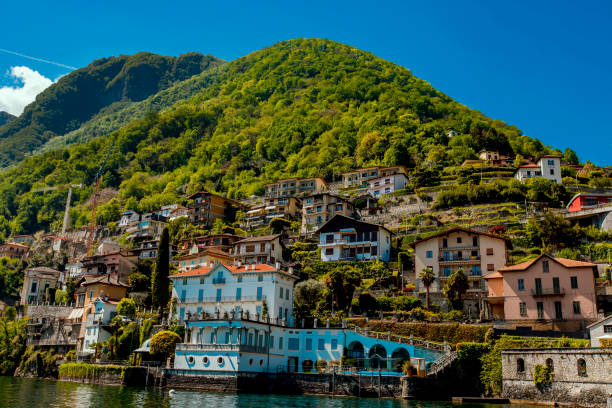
[543,66]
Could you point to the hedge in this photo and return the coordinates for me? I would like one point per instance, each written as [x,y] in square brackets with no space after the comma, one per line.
[452,333]
[91,371]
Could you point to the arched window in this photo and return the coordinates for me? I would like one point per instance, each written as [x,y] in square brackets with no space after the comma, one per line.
[520,365]
[582,369]
[549,364]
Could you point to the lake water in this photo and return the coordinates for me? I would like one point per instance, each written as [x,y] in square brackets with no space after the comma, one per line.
[28,393]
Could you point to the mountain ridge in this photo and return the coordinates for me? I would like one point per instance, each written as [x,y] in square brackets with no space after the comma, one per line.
[78,96]
[5,117]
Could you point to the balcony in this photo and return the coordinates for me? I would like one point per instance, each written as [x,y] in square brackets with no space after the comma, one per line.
[548,292]
[244,348]
[218,281]
[346,242]
[223,299]
[463,247]
[459,260]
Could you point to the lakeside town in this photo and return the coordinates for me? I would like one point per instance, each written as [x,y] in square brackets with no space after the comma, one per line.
[363,284]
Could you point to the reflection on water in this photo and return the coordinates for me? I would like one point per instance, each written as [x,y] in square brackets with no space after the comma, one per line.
[19,392]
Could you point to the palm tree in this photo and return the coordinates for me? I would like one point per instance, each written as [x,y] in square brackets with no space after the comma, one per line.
[427,278]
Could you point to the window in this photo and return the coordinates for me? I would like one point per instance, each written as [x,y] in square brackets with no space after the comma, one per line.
[281,293]
[262,247]
[552,172]
[490,267]
[321,344]
[576,306]
[540,307]
[545,267]
[259,293]
[293,343]
[447,271]
[334,344]
[200,295]
[558,310]
[185,280]
[476,270]
[523,308]
[551,162]
[329,238]
[374,251]
[538,286]
[250,248]
[239,279]
[91,294]
[556,286]
[429,254]
[219,295]
[260,278]
[582,370]
[444,243]
[607,328]
[329,251]
[521,284]
[308,346]
[280,343]
[287,294]
[271,341]
[201,281]
[34,285]
[374,236]
[238,293]
[520,365]
[489,251]
[574,281]
[280,312]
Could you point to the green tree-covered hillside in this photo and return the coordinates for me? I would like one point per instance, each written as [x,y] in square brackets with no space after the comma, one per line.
[298,108]
[105,83]
[5,117]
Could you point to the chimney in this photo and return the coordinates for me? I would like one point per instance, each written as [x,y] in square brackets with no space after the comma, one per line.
[291,270]
[277,265]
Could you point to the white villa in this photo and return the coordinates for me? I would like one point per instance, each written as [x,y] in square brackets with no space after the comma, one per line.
[547,166]
[223,290]
[96,323]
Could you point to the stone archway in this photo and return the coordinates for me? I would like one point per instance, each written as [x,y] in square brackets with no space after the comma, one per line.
[377,357]
[398,357]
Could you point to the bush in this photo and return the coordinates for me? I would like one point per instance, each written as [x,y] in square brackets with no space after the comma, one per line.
[454,316]
[307,366]
[367,303]
[90,371]
[164,343]
[71,355]
[605,342]
[126,307]
[321,366]
[542,376]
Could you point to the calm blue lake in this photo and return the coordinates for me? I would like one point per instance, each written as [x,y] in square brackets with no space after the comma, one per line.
[20,392]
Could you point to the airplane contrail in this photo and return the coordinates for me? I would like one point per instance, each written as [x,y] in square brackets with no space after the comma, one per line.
[37,59]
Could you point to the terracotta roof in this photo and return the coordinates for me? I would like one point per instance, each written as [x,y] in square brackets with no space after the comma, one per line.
[261,238]
[493,275]
[529,166]
[15,244]
[568,263]
[232,268]
[455,229]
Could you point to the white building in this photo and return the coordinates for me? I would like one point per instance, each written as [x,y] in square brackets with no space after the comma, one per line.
[547,166]
[225,290]
[344,238]
[387,184]
[601,329]
[97,321]
[128,217]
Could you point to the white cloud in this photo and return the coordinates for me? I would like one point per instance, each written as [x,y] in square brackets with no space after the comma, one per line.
[14,99]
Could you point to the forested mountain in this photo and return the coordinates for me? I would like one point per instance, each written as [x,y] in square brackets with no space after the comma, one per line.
[298,108]
[5,117]
[107,83]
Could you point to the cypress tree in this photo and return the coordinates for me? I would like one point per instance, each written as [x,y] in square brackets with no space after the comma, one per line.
[160,283]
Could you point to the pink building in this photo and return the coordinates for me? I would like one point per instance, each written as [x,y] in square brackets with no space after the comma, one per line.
[545,293]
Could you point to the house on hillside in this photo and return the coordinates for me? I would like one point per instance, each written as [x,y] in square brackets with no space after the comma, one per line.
[586,201]
[601,329]
[293,187]
[200,257]
[494,157]
[224,290]
[547,166]
[361,177]
[266,249]
[344,238]
[115,262]
[97,323]
[475,252]
[545,293]
[36,281]
[205,208]
[387,184]
[319,208]
[14,250]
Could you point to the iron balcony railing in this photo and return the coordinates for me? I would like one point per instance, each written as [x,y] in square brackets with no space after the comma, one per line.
[218,281]
[222,299]
[548,292]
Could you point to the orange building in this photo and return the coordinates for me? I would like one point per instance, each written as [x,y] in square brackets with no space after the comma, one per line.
[13,250]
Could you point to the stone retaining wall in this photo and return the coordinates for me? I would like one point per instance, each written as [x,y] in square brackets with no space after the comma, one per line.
[290,383]
[569,385]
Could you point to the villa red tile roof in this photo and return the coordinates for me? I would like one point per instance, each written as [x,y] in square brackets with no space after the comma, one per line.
[493,275]
[466,230]
[232,268]
[568,263]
